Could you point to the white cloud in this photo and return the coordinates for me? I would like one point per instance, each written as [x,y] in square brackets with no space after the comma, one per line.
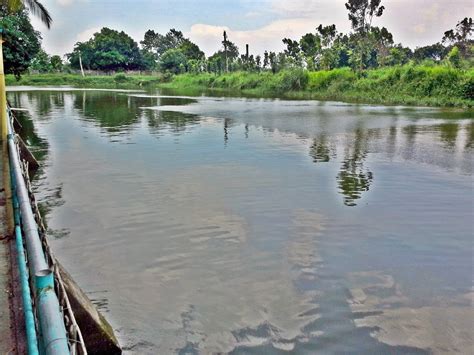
[69,2]
[419,29]
[87,34]
[296,18]
[268,37]
[310,8]
[64,2]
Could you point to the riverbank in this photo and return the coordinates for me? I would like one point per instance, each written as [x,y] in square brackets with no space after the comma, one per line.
[407,85]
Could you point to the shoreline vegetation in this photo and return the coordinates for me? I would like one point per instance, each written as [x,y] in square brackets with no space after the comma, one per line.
[414,85]
[364,65]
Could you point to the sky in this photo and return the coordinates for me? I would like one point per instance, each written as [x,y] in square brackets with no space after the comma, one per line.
[260,23]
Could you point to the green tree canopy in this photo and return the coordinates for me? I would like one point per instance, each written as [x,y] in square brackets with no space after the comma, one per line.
[22,42]
[155,45]
[159,44]
[41,62]
[56,63]
[108,50]
[174,61]
[190,50]
[434,52]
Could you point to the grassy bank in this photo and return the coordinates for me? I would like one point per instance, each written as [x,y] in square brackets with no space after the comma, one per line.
[407,85]
[92,81]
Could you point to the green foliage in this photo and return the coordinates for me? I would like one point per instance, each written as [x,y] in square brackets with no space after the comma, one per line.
[56,63]
[310,45]
[467,86]
[190,50]
[323,80]
[159,44]
[174,61]
[22,41]
[434,52]
[120,78]
[108,50]
[409,85]
[41,62]
[398,55]
[295,79]
[454,57]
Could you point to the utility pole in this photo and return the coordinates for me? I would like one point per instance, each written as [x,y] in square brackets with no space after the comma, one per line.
[80,64]
[225,52]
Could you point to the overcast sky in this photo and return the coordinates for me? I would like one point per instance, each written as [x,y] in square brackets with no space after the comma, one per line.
[261,23]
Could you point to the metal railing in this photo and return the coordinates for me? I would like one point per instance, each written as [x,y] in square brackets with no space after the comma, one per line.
[49,318]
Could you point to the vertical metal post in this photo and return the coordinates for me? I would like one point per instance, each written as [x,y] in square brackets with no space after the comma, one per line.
[3,140]
[3,97]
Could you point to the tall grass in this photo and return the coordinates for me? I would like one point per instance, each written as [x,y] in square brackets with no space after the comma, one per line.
[409,84]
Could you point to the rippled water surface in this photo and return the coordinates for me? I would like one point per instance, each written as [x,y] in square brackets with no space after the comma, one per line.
[260,226]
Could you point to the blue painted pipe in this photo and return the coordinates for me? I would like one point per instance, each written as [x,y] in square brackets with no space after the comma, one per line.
[53,331]
[30,324]
[31,340]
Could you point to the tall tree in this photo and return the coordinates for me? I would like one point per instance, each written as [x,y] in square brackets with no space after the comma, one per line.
[461,36]
[190,50]
[159,44]
[34,6]
[382,41]
[328,34]
[310,45]
[461,32]
[292,49]
[362,12]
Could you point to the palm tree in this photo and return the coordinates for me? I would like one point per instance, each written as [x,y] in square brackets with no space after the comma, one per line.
[34,6]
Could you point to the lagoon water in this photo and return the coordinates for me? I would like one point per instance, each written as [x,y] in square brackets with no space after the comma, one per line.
[260,226]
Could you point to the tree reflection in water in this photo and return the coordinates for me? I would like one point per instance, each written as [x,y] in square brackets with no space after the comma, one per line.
[321,150]
[353,178]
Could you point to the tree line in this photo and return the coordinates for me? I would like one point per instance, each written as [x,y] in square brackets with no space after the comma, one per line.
[364,47]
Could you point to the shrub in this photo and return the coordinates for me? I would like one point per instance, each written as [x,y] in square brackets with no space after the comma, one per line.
[120,78]
[454,57]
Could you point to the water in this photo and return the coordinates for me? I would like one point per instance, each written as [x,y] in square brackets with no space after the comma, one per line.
[260,226]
